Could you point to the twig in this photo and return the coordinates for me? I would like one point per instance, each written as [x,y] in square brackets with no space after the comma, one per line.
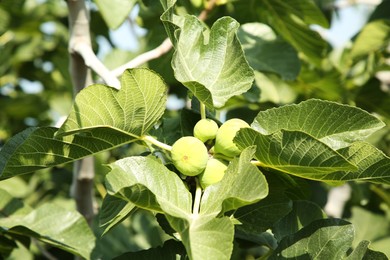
[160,50]
[163,48]
[92,61]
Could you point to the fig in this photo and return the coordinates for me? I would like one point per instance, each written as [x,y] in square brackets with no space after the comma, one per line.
[205,129]
[224,140]
[189,155]
[214,172]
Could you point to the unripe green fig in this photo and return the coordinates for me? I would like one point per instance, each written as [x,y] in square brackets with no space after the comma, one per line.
[189,155]
[214,172]
[205,129]
[225,135]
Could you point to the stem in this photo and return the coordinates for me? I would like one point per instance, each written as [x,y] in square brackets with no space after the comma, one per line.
[258,163]
[202,110]
[156,142]
[198,195]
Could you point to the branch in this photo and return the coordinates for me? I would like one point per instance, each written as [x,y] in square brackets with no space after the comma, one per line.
[83,171]
[160,50]
[92,61]
[163,48]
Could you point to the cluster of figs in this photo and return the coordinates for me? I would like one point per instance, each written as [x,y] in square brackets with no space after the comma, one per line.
[191,156]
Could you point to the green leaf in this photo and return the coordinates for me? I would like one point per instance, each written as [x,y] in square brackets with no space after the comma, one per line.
[302,214]
[149,185]
[291,19]
[373,165]
[373,37]
[168,251]
[49,223]
[376,230]
[103,117]
[363,252]
[204,238]
[266,52]
[274,89]
[132,110]
[335,124]
[37,148]
[242,184]
[322,239]
[261,216]
[293,152]
[113,211]
[115,12]
[211,63]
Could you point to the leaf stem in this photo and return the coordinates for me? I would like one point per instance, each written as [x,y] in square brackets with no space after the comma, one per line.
[198,195]
[257,163]
[202,110]
[156,142]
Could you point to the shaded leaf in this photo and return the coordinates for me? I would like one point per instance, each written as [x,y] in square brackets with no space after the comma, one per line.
[322,239]
[373,37]
[113,211]
[168,251]
[302,214]
[49,223]
[115,12]
[291,19]
[261,216]
[211,63]
[335,124]
[267,52]
[363,252]
[273,89]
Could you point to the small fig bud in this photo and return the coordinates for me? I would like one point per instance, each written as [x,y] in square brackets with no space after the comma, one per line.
[189,155]
[214,172]
[224,140]
[205,129]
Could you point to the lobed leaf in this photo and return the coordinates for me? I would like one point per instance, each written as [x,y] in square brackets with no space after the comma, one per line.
[291,19]
[113,211]
[267,52]
[322,239]
[49,223]
[335,124]
[115,12]
[211,63]
[373,37]
[205,238]
[242,184]
[102,118]
[150,185]
[37,148]
[372,165]
[294,153]
[133,109]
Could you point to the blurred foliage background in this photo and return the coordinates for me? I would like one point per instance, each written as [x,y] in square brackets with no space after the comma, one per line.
[291,64]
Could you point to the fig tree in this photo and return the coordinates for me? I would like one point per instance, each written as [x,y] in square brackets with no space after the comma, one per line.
[224,139]
[214,172]
[189,155]
[205,129]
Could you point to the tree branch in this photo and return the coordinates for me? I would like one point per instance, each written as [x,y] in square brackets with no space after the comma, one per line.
[92,61]
[83,171]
